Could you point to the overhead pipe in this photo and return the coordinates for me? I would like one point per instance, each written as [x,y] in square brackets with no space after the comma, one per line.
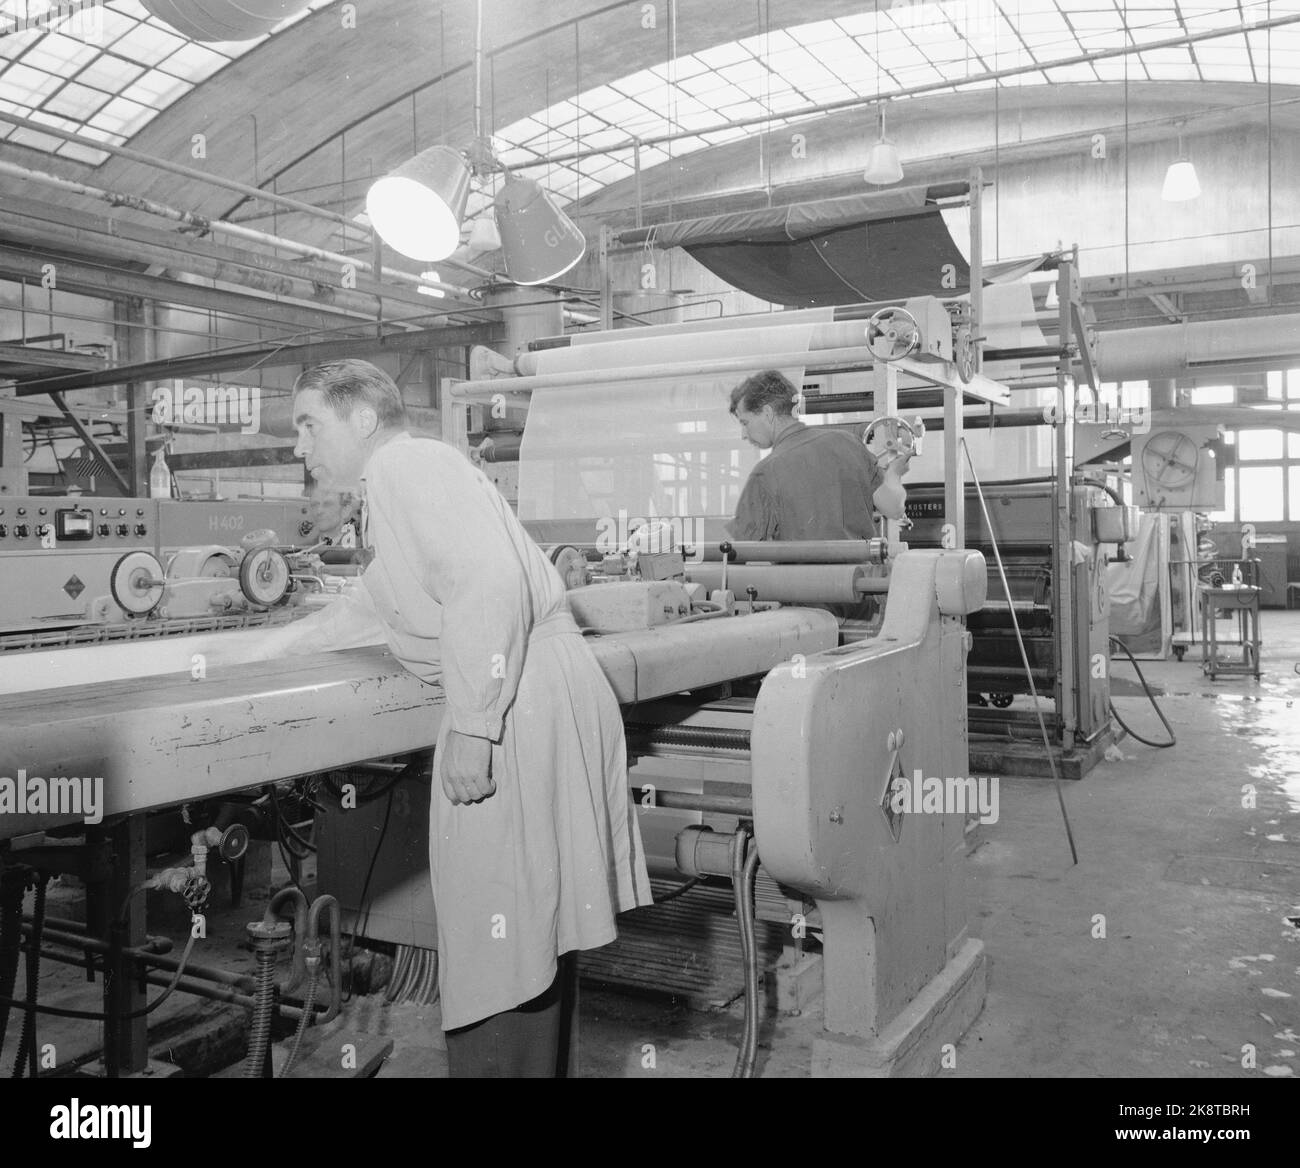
[202,223]
[1188,348]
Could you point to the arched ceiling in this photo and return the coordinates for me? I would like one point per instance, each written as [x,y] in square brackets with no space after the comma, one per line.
[321,107]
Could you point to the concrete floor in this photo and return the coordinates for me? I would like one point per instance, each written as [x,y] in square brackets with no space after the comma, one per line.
[1197,965]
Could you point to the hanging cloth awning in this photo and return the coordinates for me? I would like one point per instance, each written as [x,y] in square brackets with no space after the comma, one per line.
[858,248]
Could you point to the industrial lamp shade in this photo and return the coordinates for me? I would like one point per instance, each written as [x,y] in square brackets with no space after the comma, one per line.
[417,208]
[223,20]
[539,242]
[883,166]
[483,236]
[1181,182]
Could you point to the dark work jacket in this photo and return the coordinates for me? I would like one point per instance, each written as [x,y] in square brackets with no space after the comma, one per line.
[815,483]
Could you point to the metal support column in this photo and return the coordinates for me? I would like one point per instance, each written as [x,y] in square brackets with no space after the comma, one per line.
[126,1046]
[1063,585]
[136,345]
[606,280]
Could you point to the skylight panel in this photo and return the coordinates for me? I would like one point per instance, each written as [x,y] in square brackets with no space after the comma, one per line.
[727,54]
[747,75]
[157,90]
[1200,19]
[59,55]
[857,23]
[193,62]
[75,101]
[938,34]
[121,116]
[109,73]
[37,141]
[115,25]
[148,44]
[1096,41]
[79,153]
[1103,21]
[99,134]
[16,43]
[681,68]
[635,84]
[24,84]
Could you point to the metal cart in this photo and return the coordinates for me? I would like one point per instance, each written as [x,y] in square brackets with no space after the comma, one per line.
[1242,600]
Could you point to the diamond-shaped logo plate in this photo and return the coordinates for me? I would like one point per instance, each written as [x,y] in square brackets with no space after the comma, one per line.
[893,773]
[74,587]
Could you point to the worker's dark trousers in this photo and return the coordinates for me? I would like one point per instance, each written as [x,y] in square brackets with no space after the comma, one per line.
[534,1041]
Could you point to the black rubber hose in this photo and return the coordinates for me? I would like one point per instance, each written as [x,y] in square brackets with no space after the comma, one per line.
[1114,713]
[27,1039]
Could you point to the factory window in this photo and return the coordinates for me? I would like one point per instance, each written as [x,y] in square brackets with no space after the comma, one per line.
[1213,395]
[1256,445]
[1262,494]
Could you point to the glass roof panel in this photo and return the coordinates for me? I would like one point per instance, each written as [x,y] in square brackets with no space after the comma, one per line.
[783,70]
[75,101]
[128,67]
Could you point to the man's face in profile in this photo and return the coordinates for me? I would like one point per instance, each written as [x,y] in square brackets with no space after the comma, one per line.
[332,447]
[757,428]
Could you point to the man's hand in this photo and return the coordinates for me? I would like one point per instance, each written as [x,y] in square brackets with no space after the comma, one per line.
[466,768]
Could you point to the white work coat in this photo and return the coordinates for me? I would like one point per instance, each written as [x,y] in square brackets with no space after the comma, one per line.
[467,599]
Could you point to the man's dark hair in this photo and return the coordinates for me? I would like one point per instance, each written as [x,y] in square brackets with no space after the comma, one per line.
[768,388]
[348,384]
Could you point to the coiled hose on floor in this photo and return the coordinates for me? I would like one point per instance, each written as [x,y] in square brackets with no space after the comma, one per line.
[1114,713]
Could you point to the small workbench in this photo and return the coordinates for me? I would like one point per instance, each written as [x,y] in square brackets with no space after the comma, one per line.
[1242,600]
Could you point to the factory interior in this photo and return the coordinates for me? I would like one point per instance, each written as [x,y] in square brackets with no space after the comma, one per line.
[1003,782]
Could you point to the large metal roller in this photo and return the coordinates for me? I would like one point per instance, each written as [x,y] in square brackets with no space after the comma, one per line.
[792,583]
[798,551]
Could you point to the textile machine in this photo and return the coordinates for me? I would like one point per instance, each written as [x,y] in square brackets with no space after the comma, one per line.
[759,733]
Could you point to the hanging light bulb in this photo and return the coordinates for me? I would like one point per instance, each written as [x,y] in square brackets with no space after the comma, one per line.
[1181,183]
[417,208]
[883,166]
[539,242]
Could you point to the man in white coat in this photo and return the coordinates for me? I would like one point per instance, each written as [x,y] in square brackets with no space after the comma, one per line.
[534,844]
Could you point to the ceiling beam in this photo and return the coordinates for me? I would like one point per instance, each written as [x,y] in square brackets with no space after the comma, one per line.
[16,354]
[110,283]
[185,251]
[248,359]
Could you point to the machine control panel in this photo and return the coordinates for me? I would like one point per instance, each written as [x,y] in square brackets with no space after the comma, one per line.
[70,522]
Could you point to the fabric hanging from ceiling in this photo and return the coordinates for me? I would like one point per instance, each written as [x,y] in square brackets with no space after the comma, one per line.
[836,251]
